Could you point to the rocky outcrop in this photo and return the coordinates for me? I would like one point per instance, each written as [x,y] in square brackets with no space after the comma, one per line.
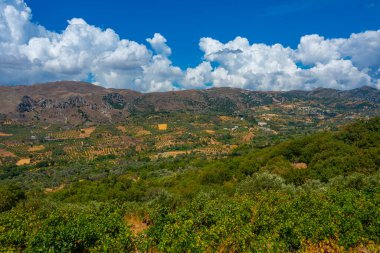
[115,100]
[27,104]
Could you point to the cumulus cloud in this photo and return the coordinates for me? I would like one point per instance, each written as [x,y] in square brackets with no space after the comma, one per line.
[315,49]
[158,43]
[316,62]
[29,53]
[198,77]
[363,49]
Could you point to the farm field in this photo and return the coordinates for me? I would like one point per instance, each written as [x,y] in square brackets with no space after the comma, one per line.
[163,135]
[204,176]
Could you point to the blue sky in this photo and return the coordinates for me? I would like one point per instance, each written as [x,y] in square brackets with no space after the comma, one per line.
[170,45]
[184,22]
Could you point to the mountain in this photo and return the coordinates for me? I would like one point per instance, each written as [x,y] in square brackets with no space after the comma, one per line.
[79,102]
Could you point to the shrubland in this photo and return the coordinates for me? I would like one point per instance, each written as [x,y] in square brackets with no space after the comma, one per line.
[313,193]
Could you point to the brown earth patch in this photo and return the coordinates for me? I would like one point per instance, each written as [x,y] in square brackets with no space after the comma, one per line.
[55,189]
[137,225]
[248,137]
[300,166]
[122,129]
[86,132]
[5,153]
[331,246]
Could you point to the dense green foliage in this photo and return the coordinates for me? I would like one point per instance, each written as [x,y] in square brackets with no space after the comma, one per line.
[293,196]
[356,148]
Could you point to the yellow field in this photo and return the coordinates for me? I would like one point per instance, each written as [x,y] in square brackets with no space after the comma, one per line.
[36,148]
[210,131]
[5,135]
[162,127]
[225,118]
[23,161]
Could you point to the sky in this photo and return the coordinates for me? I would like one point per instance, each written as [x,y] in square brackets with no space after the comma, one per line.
[169,45]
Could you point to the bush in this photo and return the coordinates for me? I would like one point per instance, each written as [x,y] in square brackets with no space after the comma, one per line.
[10,195]
[261,182]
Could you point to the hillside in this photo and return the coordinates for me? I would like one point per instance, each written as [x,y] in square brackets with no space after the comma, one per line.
[313,193]
[77,103]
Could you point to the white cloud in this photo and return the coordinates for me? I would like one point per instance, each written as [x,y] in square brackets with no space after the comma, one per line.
[198,77]
[15,25]
[29,53]
[158,43]
[315,49]
[339,74]
[160,75]
[363,49]
[317,62]
[223,78]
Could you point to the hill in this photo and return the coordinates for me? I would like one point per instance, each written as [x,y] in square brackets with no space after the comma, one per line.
[78,102]
[313,193]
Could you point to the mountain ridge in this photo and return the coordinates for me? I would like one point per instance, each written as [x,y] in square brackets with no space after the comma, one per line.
[71,102]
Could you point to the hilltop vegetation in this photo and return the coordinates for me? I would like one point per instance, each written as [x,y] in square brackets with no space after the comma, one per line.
[310,193]
[322,156]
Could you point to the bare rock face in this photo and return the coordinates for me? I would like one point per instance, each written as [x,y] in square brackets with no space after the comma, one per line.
[78,102]
[71,102]
[115,100]
[27,104]
[45,103]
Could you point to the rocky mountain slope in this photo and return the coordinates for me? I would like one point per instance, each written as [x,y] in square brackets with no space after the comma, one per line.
[79,102]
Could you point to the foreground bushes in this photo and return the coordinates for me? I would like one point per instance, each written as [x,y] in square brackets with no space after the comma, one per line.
[262,213]
[258,202]
[268,215]
[68,228]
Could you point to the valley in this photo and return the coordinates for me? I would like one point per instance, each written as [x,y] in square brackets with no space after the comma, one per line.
[285,172]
